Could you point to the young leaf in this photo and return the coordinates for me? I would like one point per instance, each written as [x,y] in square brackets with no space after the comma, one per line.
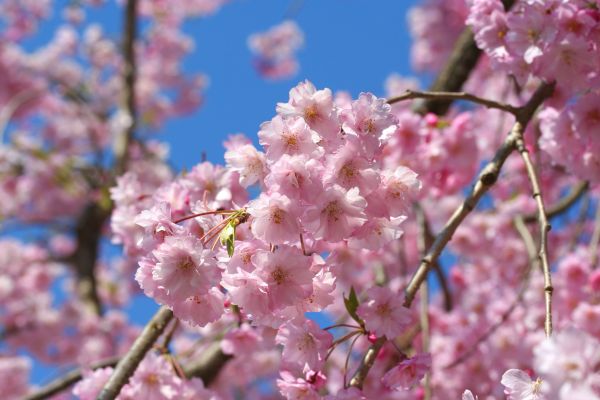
[351,304]
[227,238]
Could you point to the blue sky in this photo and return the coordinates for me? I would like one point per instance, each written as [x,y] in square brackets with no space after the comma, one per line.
[351,45]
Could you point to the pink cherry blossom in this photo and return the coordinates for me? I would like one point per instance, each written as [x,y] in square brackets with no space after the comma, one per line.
[200,309]
[287,136]
[408,373]
[369,119]
[275,50]
[336,214]
[248,162]
[383,312]
[274,219]
[286,273]
[304,343]
[519,386]
[183,267]
[316,107]
[296,389]
[92,383]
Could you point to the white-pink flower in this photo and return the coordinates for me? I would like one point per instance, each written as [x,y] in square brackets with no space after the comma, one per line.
[518,385]
[408,373]
[336,214]
[287,136]
[383,312]
[201,309]
[274,219]
[287,275]
[317,109]
[248,162]
[304,343]
[184,267]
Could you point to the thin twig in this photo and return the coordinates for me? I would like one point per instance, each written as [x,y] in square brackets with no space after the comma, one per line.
[544,229]
[12,106]
[208,365]
[367,362]
[595,240]
[531,265]
[302,245]
[423,244]
[346,363]
[580,223]
[177,221]
[563,204]
[487,177]
[169,335]
[129,78]
[129,363]
[456,71]
[425,240]
[413,94]
[69,379]
[425,332]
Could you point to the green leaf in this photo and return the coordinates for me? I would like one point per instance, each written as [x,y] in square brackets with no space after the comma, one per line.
[230,246]
[227,238]
[351,303]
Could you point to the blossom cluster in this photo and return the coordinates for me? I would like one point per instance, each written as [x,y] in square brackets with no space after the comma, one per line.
[323,188]
[275,50]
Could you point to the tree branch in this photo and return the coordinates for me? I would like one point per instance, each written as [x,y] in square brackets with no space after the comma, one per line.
[129,78]
[424,309]
[88,232]
[455,73]
[426,241]
[69,379]
[544,229]
[129,363]
[533,259]
[413,94]
[208,365]
[563,204]
[13,106]
[367,362]
[486,179]
[595,240]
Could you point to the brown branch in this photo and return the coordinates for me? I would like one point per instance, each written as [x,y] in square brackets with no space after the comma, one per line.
[426,239]
[89,225]
[208,365]
[413,94]
[455,73]
[423,243]
[88,232]
[595,240]
[129,78]
[533,260]
[169,335]
[544,229]
[206,368]
[563,204]
[69,379]
[366,363]
[486,179]
[13,106]
[129,363]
